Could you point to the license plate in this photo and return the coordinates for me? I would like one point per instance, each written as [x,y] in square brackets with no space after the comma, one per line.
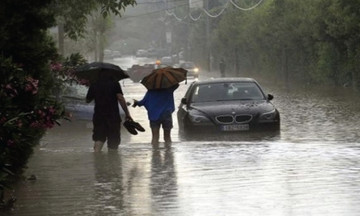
[242,127]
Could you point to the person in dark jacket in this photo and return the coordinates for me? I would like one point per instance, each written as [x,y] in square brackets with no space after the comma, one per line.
[107,93]
[222,67]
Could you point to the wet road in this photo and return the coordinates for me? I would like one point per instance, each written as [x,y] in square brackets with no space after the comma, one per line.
[311,168]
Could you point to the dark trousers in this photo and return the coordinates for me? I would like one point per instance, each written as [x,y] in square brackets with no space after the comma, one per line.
[107,128]
[222,72]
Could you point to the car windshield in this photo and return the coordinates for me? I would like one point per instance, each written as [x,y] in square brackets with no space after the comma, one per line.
[227,92]
[187,65]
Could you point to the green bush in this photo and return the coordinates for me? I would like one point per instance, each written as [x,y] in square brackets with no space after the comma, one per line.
[24,117]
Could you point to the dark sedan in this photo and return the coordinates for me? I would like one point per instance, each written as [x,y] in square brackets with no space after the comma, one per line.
[191,68]
[227,105]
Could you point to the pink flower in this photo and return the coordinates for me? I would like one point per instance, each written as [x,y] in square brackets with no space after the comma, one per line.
[52,111]
[35,124]
[14,93]
[10,143]
[31,85]
[8,86]
[56,66]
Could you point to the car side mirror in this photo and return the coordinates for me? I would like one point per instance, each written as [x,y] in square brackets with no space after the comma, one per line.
[270,97]
[183,100]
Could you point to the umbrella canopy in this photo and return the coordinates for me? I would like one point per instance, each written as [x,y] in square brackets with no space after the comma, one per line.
[163,78]
[95,70]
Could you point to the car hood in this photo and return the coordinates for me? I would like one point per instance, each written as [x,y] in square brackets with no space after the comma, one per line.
[233,107]
[84,111]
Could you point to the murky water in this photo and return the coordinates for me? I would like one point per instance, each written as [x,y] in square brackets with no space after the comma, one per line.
[310,168]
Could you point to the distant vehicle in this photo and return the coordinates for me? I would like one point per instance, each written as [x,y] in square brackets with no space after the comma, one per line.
[152,53]
[167,60]
[191,68]
[137,72]
[142,53]
[116,54]
[227,105]
[108,54]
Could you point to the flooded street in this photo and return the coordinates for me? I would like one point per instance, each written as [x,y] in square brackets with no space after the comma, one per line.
[310,168]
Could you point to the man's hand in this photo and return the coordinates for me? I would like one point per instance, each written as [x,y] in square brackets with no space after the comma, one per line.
[128,117]
[135,103]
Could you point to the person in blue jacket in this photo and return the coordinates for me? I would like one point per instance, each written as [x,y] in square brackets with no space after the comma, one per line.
[160,105]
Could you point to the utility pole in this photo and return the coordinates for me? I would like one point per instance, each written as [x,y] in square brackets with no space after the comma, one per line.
[208,48]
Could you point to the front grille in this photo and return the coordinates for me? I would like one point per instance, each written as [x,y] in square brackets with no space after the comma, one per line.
[243,118]
[225,119]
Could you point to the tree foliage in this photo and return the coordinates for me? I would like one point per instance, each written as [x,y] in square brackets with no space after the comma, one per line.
[315,41]
[74,14]
[29,73]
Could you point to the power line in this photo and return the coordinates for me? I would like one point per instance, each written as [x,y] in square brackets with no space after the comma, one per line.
[189,14]
[246,9]
[159,11]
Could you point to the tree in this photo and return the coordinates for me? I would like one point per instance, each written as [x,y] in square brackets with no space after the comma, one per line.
[72,16]
[312,41]
[28,73]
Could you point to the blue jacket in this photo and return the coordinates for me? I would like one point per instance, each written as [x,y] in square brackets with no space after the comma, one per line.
[158,102]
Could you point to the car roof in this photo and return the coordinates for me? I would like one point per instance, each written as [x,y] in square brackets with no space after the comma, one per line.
[225,79]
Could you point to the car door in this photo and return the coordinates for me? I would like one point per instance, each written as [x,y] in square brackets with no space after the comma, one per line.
[183,107]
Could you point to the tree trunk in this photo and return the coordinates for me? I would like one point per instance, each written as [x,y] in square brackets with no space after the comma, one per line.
[237,69]
[61,35]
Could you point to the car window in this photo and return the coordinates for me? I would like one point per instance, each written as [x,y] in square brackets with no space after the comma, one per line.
[247,91]
[210,92]
[227,91]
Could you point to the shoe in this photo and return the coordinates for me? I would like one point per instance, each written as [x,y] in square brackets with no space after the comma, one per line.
[129,127]
[137,126]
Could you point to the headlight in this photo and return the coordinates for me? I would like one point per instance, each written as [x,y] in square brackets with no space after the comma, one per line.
[268,116]
[199,119]
[196,70]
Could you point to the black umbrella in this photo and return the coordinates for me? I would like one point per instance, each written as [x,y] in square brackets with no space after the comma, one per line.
[93,71]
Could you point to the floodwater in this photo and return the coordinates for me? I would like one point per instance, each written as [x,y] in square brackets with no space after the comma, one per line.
[310,168]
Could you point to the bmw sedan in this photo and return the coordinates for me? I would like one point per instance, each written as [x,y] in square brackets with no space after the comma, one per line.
[227,105]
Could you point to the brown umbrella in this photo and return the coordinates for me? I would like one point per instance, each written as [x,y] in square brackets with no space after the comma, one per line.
[163,78]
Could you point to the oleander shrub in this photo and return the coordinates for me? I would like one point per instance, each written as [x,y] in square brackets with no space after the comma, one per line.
[25,115]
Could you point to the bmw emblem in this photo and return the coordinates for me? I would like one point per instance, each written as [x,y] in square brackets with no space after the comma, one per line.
[233,112]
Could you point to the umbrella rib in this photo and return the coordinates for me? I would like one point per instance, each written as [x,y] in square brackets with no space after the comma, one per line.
[178,80]
[155,80]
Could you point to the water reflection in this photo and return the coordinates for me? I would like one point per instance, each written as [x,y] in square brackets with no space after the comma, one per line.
[163,181]
[108,186]
[243,136]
